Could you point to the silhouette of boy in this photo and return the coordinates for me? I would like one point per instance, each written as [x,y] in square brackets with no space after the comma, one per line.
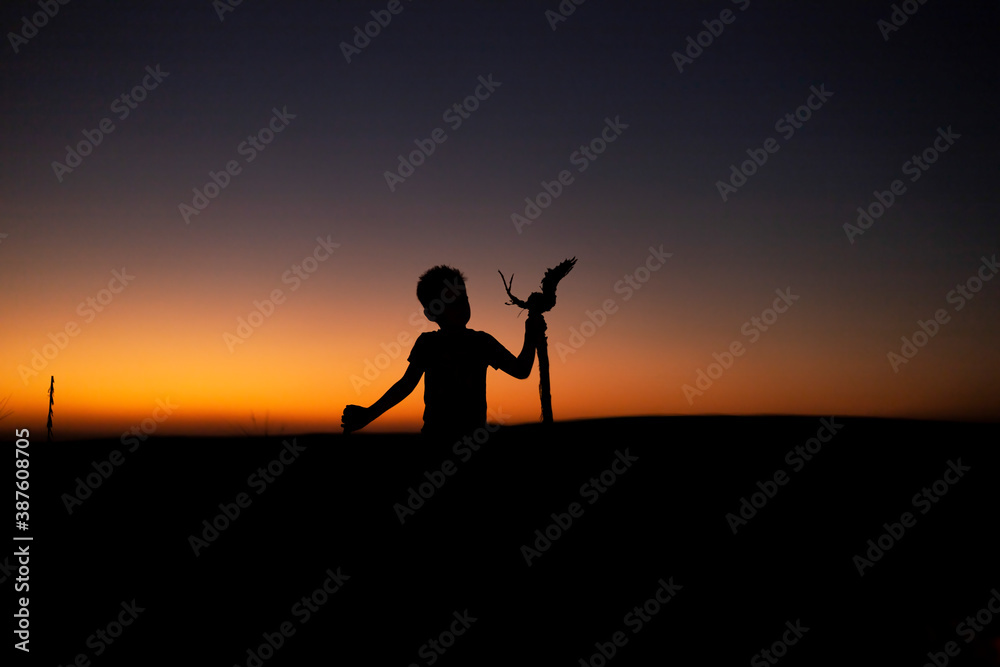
[453,361]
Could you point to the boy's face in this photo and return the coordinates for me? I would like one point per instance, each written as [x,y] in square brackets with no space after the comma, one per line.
[453,311]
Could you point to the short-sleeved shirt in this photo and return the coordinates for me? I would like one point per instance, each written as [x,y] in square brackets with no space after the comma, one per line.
[454,366]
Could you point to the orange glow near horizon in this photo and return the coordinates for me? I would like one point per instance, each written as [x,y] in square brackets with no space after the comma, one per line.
[297,374]
[162,338]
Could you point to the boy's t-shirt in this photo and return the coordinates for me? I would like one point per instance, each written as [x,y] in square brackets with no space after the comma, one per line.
[454,366]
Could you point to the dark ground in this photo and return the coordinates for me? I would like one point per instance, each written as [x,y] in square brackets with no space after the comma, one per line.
[663,518]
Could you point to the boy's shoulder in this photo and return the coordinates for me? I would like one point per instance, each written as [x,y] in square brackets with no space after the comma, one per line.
[467,335]
[466,339]
[432,346]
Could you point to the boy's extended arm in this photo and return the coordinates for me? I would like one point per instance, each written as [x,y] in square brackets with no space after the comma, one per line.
[534,333]
[356,417]
[397,392]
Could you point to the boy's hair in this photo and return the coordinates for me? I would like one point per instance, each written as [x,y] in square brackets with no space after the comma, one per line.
[437,282]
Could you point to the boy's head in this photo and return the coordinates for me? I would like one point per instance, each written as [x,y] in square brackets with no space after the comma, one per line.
[441,291]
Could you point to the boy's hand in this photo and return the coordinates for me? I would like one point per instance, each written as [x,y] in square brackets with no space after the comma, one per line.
[534,329]
[356,417]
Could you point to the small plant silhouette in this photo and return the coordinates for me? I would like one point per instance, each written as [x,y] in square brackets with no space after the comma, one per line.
[254,430]
[4,412]
[52,400]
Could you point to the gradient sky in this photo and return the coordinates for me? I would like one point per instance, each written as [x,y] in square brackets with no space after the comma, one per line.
[162,336]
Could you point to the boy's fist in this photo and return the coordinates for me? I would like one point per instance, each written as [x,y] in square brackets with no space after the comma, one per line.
[534,328]
[355,417]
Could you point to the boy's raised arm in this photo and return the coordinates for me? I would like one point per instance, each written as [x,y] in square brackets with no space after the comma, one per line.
[357,417]
[534,331]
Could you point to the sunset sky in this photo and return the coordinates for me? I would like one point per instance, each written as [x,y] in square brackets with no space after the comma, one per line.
[162,95]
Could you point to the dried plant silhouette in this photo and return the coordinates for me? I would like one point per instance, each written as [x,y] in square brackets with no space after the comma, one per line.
[4,412]
[52,400]
[254,430]
[452,361]
[537,304]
